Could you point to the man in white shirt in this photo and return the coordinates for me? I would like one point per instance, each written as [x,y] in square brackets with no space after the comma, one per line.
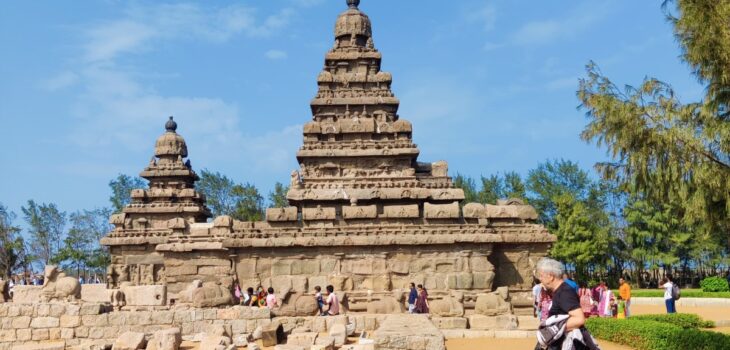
[668,285]
[333,303]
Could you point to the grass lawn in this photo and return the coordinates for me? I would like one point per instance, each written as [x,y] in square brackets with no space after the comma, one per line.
[686,293]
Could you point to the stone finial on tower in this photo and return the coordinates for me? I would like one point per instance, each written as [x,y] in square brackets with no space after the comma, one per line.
[353,4]
[171,126]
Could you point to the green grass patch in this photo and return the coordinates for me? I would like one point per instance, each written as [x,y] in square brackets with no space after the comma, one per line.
[686,293]
[681,320]
[654,335]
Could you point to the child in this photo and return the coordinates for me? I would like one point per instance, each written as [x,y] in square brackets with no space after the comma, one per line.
[318,298]
[614,308]
[246,301]
[271,301]
[621,310]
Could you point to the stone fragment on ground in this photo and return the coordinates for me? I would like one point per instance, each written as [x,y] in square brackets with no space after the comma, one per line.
[166,339]
[413,332]
[130,341]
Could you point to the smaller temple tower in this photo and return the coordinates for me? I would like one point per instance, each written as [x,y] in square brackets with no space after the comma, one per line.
[171,193]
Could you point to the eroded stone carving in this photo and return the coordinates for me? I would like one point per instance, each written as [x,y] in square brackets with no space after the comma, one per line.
[360,212]
[451,305]
[441,211]
[57,286]
[281,214]
[205,294]
[495,303]
[400,211]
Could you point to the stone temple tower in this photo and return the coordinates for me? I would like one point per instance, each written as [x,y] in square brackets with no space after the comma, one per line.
[364,215]
[171,200]
[358,155]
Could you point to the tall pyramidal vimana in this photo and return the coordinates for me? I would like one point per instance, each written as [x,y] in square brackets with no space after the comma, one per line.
[365,215]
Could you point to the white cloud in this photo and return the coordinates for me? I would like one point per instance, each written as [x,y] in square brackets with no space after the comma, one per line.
[545,31]
[538,32]
[60,81]
[486,16]
[276,55]
[143,26]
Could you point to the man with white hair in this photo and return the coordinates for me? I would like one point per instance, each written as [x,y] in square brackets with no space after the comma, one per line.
[565,300]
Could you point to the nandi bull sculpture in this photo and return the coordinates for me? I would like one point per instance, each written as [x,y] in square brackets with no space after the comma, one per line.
[58,286]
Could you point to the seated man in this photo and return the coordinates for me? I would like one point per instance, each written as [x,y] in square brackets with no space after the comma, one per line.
[333,303]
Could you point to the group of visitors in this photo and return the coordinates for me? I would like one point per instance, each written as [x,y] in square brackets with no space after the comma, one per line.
[260,298]
[597,301]
[267,298]
[417,299]
[600,300]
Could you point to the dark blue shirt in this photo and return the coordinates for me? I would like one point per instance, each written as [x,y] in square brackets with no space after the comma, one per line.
[412,296]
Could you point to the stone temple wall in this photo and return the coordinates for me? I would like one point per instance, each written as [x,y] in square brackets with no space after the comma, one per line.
[83,325]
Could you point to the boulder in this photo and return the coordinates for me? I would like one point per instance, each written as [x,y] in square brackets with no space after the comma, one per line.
[166,339]
[129,341]
[339,333]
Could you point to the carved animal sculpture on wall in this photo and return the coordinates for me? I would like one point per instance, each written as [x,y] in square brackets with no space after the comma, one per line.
[208,294]
[389,304]
[58,286]
[450,306]
[297,304]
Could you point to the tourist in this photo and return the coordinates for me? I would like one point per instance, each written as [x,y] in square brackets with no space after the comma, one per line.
[271,301]
[564,303]
[621,308]
[412,296]
[669,302]
[237,293]
[261,296]
[318,298]
[605,300]
[570,282]
[536,291]
[81,279]
[333,303]
[624,291]
[587,304]
[546,302]
[253,300]
[422,300]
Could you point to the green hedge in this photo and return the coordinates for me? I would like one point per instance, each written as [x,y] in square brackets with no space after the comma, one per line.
[681,320]
[654,335]
[686,293]
[714,284]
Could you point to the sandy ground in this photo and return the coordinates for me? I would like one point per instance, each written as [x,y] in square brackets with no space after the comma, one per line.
[511,344]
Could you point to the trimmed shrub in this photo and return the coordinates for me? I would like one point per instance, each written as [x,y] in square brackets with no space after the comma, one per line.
[654,335]
[714,284]
[681,320]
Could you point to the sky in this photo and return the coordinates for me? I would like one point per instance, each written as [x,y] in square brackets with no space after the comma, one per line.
[489,85]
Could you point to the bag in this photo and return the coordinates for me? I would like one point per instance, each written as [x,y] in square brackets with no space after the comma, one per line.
[676,294]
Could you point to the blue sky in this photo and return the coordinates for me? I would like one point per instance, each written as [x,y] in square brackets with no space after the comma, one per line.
[490,86]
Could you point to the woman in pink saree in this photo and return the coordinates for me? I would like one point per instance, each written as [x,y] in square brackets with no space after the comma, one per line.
[604,304]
